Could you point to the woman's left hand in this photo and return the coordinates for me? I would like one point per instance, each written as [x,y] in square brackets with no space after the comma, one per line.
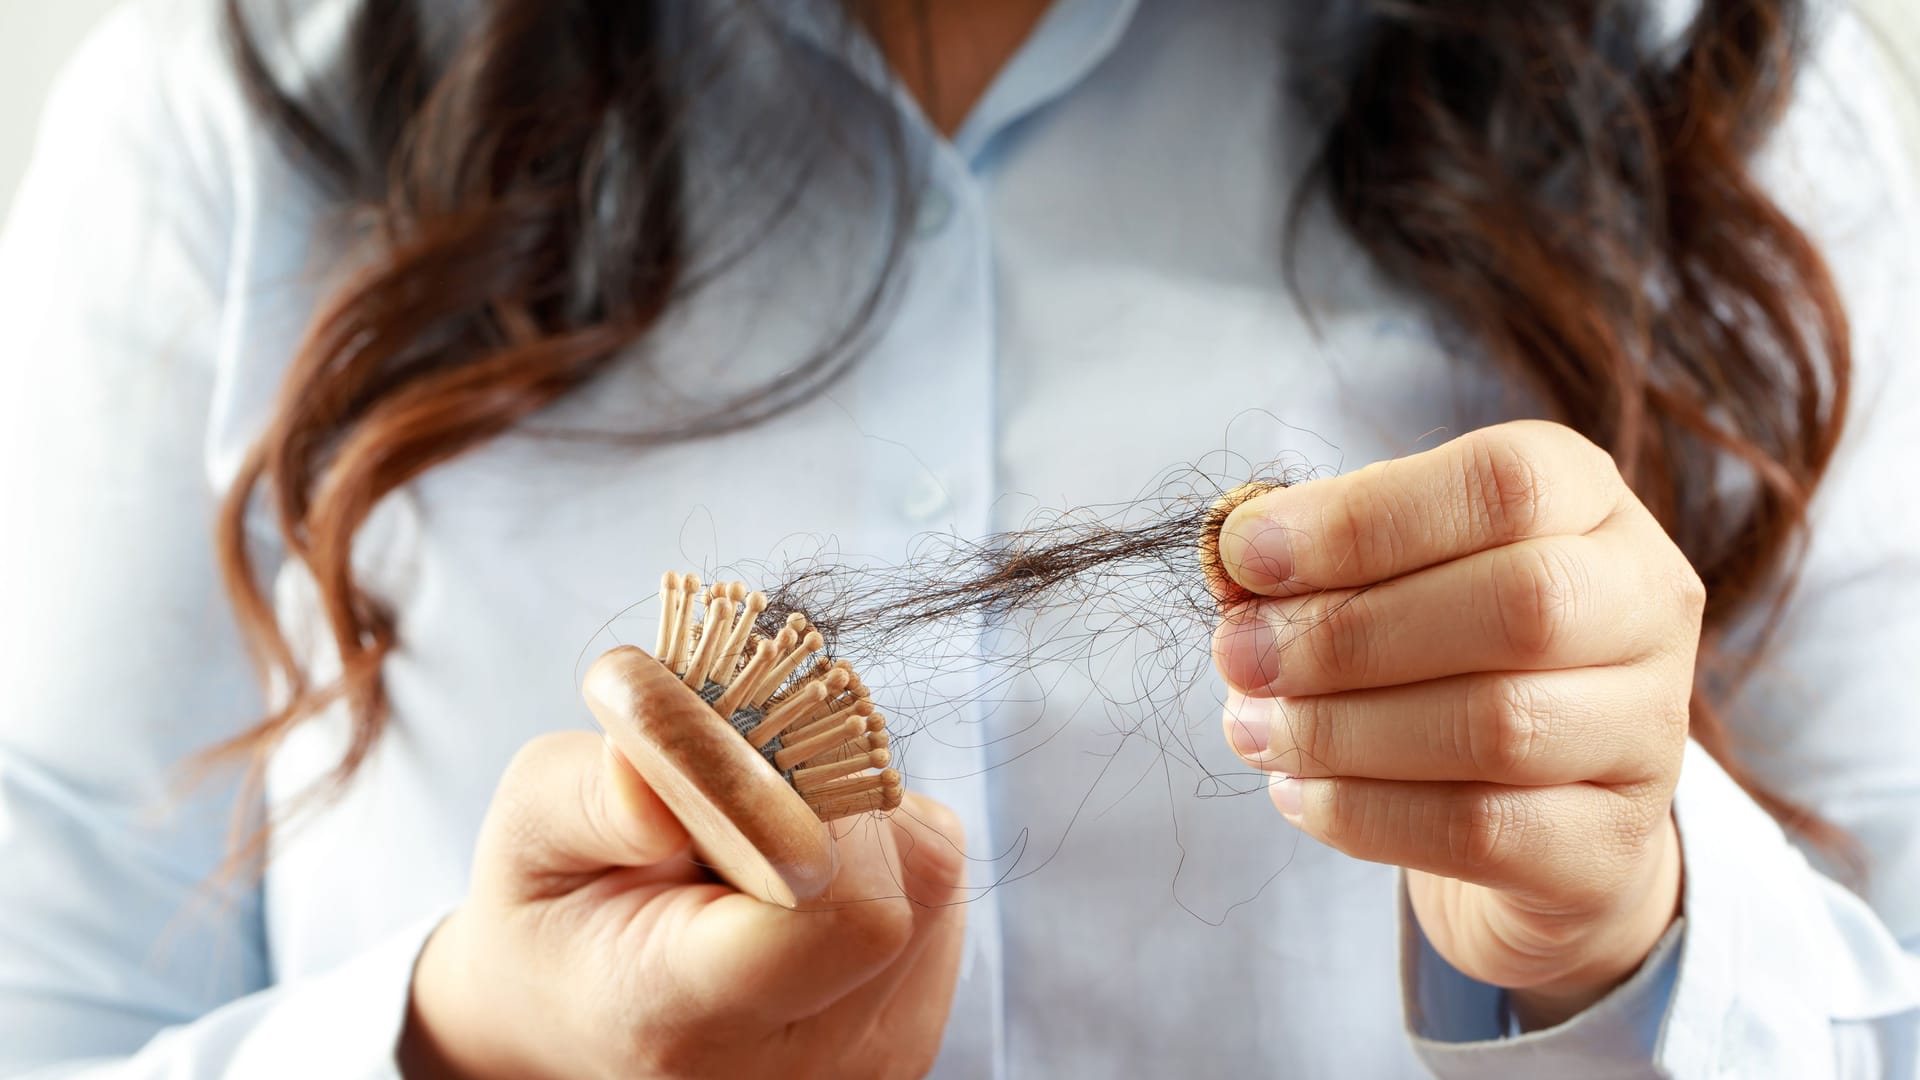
[1475,663]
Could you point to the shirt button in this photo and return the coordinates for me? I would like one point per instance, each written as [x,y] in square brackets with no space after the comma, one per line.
[936,209]
[926,498]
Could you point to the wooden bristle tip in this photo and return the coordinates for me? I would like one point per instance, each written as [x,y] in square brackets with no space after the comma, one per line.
[852,785]
[884,798]
[805,750]
[669,604]
[860,707]
[726,664]
[810,780]
[781,718]
[765,655]
[683,620]
[791,650]
[712,636]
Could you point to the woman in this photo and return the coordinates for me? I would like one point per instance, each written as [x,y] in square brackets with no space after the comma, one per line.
[865,272]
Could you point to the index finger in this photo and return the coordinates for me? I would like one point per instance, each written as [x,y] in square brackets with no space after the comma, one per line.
[1483,490]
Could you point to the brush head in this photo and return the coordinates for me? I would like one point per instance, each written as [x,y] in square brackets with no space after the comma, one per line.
[751,746]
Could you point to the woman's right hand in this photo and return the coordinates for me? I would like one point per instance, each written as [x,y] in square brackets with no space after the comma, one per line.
[589,943]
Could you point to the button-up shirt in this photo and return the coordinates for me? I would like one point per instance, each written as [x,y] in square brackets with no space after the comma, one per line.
[1091,296]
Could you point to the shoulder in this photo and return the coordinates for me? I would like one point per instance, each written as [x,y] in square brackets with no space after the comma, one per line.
[148,73]
[1841,165]
[153,89]
[1840,157]
[160,219]
[130,158]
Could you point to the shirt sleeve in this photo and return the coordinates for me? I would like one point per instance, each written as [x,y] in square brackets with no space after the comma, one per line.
[121,951]
[1778,969]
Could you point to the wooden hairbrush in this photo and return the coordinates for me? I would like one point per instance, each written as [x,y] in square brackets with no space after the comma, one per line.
[763,750]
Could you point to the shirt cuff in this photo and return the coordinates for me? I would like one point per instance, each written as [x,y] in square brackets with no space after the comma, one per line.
[1459,1026]
[345,1022]
[1771,955]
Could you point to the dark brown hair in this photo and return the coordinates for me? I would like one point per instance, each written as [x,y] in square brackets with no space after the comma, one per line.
[1573,198]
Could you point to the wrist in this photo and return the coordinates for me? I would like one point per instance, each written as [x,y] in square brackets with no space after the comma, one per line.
[1618,950]
[449,1034]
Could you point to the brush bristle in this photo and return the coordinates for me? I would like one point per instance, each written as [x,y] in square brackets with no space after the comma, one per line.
[814,723]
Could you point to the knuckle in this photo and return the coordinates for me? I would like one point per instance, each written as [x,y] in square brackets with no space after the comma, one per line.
[941,819]
[534,758]
[518,809]
[875,932]
[1361,540]
[1676,720]
[1537,593]
[1343,825]
[1617,843]
[1642,809]
[1507,727]
[1669,624]
[1359,818]
[1337,641]
[1485,832]
[1567,439]
[1690,589]
[513,824]
[1306,739]
[1505,485]
[939,860]
[1536,431]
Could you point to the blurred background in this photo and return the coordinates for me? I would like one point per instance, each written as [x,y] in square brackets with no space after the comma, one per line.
[35,38]
[37,35]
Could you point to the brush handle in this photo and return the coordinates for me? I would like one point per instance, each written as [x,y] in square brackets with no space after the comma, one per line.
[747,822]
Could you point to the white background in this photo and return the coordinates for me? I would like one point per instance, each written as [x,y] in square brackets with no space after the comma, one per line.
[36,35]
[35,38]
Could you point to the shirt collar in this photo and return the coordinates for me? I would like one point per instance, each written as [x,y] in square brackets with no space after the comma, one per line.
[1071,39]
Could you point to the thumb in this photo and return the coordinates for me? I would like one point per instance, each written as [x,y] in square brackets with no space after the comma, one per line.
[570,804]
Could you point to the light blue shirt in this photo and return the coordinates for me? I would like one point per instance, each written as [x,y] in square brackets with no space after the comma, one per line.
[1094,294]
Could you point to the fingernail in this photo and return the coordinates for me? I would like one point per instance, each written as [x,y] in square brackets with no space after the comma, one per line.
[1284,790]
[1246,649]
[1255,550]
[1247,724]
